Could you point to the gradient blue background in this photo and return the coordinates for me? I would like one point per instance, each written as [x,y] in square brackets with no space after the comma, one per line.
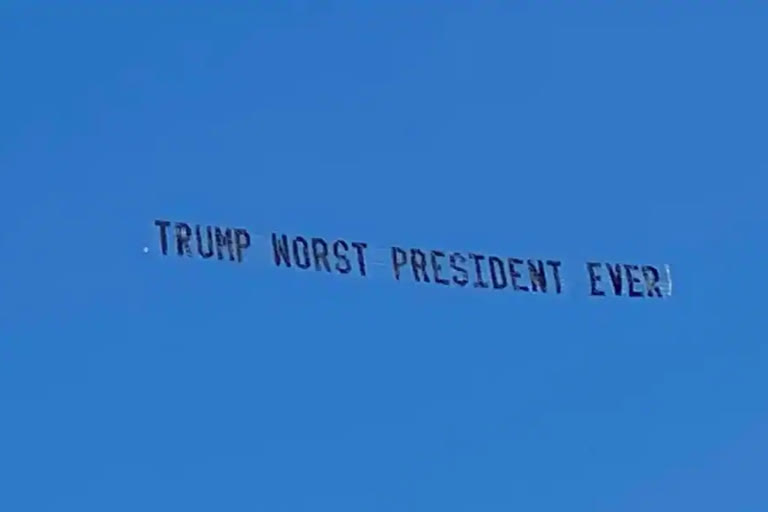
[616,131]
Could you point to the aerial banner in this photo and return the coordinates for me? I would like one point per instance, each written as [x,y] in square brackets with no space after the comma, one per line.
[438,267]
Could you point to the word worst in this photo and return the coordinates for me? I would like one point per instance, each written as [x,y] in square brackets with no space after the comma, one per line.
[443,268]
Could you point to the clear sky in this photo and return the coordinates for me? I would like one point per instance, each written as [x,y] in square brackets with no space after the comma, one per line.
[609,131]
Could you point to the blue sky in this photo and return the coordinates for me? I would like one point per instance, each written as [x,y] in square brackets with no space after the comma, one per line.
[618,132]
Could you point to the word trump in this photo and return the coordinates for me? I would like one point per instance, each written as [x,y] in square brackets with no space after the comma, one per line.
[207,241]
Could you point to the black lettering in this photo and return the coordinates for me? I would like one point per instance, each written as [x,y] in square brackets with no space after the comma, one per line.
[242,242]
[163,224]
[224,239]
[360,247]
[479,283]
[320,253]
[183,234]
[615,274]
[556,272]
[652,280]
[345,269]
[514,274]
[457,267]
[301,257]
[632,280]
[419,264]
[594,278]
[399,259]
[498,276]
[280,250]
[204,253]
[538,276]
[437,267]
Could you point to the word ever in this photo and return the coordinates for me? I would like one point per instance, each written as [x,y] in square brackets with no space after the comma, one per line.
[650,274]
